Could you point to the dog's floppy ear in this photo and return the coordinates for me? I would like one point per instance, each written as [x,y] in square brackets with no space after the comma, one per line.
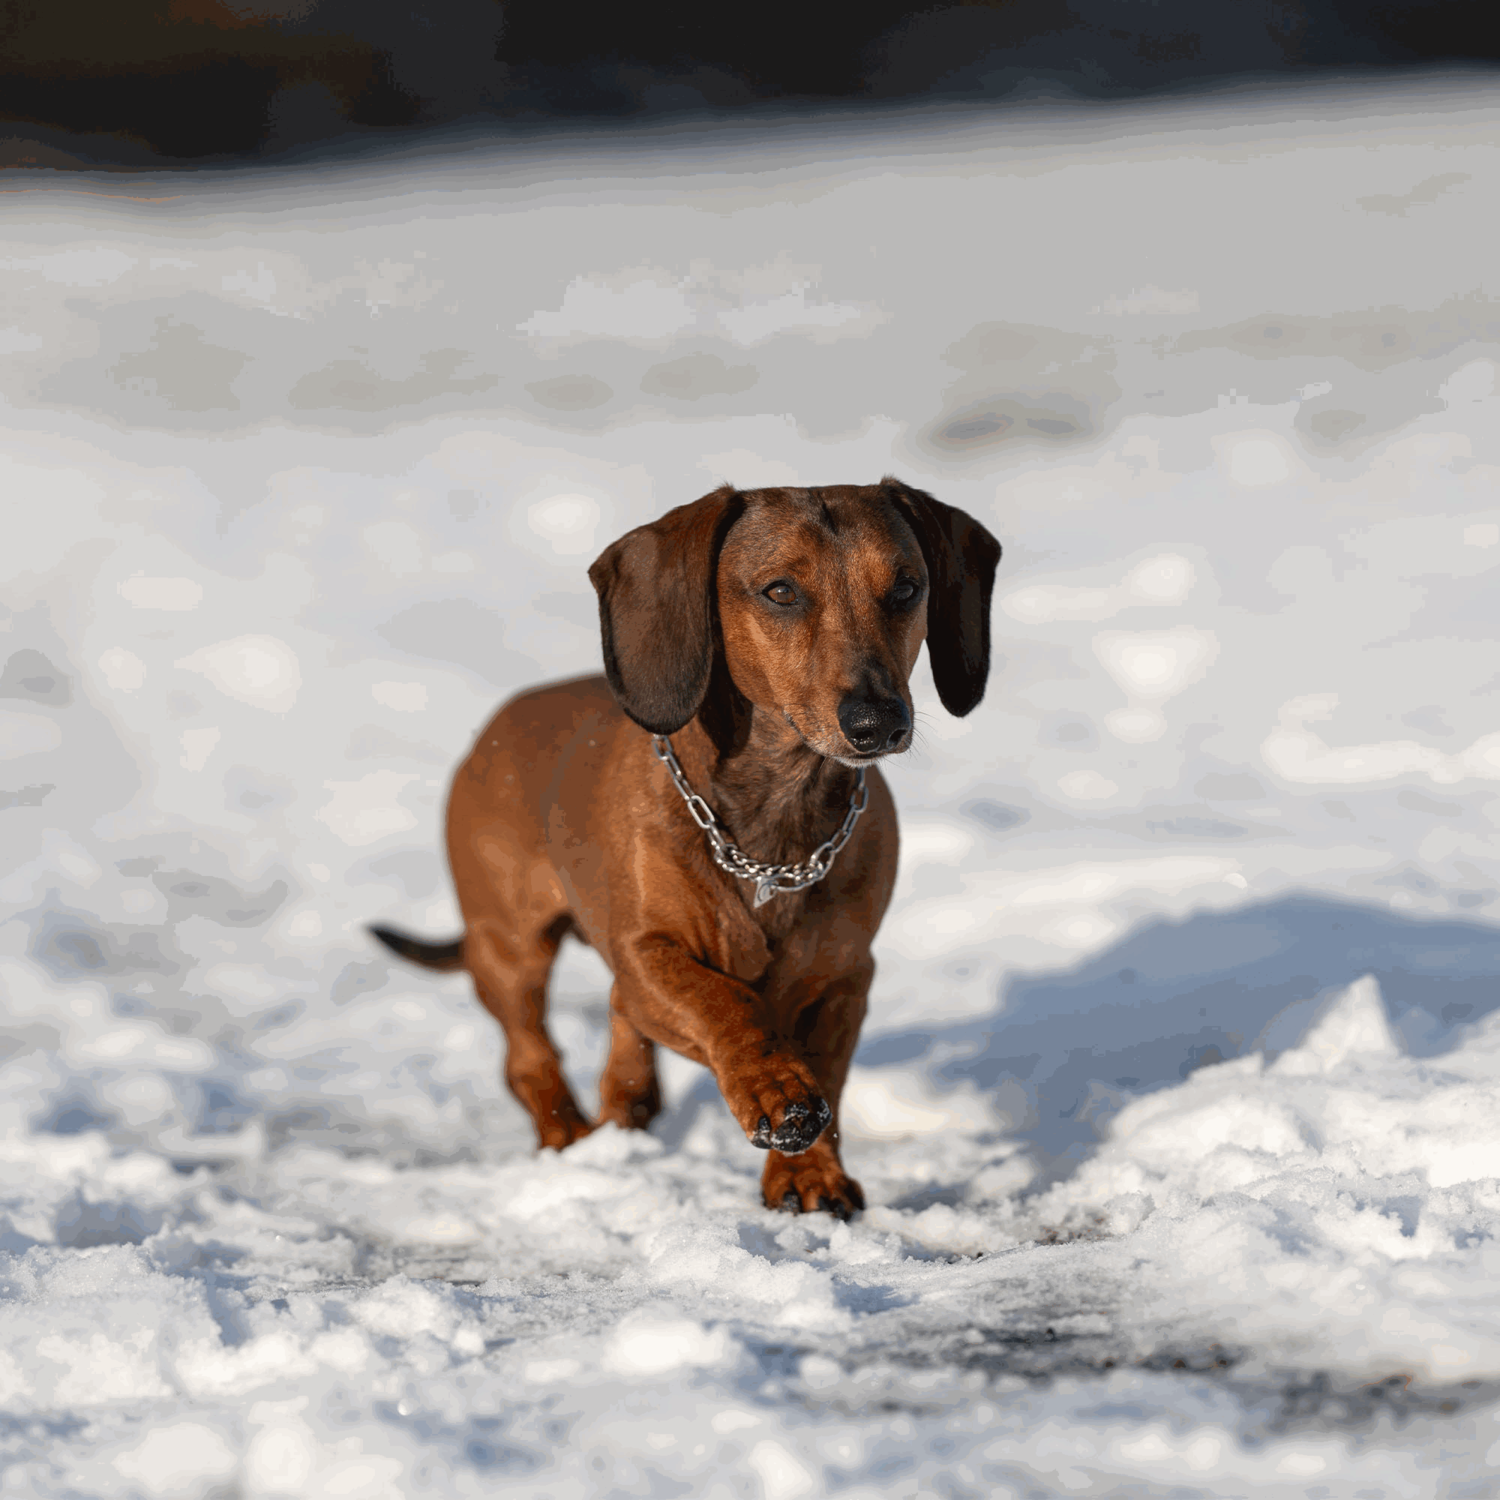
[656,610]
[961,557]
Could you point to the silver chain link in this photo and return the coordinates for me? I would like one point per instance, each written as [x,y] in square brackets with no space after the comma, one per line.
[770,880]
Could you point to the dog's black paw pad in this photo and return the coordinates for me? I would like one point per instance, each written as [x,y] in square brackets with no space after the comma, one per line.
[762,1136]
[834,1206]
[801,1126]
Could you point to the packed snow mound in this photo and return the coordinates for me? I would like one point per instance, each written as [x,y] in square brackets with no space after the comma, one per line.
[1335,1207]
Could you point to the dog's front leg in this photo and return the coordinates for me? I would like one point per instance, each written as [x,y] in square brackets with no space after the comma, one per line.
[673,999]
[828,1030]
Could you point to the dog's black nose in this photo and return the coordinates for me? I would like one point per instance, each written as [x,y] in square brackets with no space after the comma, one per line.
[874,725]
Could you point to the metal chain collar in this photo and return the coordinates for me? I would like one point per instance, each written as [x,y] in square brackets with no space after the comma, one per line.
[770,880]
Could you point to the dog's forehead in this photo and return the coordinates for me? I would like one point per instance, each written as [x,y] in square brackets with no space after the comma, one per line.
[827,521]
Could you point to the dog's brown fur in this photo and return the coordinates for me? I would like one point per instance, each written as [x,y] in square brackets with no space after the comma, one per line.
[563,820]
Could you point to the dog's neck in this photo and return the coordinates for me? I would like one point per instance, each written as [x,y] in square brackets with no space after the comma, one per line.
[777,798]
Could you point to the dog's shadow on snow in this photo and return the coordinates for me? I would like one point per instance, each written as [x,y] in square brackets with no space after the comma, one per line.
[1063,1052]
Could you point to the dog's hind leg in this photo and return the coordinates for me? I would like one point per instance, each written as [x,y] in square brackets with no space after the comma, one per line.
[510,978]
[629,1094]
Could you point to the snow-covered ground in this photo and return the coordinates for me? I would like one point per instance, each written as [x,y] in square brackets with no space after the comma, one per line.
[301,475]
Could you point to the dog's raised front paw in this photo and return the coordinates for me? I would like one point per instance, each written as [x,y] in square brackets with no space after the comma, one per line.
[777,1103]
[800,1125]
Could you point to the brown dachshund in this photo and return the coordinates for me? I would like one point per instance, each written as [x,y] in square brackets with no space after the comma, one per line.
[772,633]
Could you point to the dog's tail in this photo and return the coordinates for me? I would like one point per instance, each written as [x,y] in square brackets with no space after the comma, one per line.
[443,956]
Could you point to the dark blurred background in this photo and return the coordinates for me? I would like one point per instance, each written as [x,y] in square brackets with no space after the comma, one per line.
[135,83]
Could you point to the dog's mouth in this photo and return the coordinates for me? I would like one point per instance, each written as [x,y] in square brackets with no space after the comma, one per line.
[855,758]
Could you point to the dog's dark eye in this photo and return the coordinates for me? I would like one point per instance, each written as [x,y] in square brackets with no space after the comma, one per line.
[905,591]
[781,592]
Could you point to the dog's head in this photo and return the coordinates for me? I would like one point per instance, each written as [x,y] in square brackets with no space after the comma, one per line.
[811,604]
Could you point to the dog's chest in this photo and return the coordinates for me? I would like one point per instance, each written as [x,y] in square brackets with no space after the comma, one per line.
[782,937]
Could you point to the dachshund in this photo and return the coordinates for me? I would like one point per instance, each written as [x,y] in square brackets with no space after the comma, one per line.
[708,815]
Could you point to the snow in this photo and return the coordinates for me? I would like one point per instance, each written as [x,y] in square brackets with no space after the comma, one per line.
[1178,1109]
